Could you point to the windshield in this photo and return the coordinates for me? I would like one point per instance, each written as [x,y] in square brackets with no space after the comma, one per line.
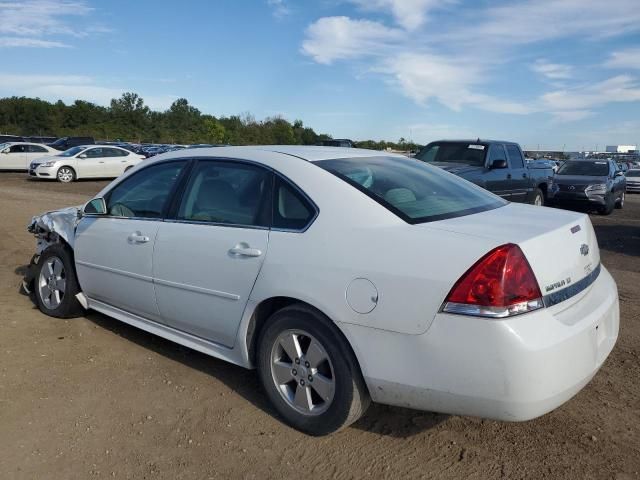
[591,169]
[471,154]
[630,173]
[72,151]
[413,190]
[2,145]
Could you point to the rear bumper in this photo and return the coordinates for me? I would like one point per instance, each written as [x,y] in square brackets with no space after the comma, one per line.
[515,369]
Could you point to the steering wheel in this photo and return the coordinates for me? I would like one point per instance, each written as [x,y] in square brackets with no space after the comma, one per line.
[121,210]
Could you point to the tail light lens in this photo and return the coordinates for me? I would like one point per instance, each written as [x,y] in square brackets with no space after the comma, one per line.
[499,285]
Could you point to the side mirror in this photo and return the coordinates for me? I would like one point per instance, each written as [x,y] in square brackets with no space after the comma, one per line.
[499,163]
[97,206]
[82,155]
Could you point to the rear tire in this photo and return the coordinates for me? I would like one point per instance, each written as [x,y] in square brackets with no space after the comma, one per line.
[55,285]
[66,175]
[309,372]
[538,198]
[620,202]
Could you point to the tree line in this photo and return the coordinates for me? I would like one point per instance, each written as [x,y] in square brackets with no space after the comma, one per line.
[128,119]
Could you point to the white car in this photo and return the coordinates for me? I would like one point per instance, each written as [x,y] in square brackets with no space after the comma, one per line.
[344,276]
[88,161]
[18,155]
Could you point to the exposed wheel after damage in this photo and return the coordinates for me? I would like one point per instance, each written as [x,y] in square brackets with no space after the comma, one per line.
[309,372]
[55,283]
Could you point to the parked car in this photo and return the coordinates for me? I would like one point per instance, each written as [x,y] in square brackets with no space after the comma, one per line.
[494,165]
[86,161]
[18,156]
[592,183]
[40,139]
[337,142]
[633,181]
[66,143]
[426,292]
[11,138]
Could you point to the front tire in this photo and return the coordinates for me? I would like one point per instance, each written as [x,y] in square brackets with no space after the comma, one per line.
[607,209]
[620,202]
[309,372]
[66,175]
[55,283]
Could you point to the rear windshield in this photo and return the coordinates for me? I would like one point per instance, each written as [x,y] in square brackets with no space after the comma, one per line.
[592,169]
[472,154]
[411,189]
[633,173]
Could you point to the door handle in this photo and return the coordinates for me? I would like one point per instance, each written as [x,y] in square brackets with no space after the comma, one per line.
[244,250]
[137,237]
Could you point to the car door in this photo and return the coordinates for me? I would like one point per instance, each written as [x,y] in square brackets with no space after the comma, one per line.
[114,162]
[207,258]
[114,252]
[497,180]
[91,163]
[520,182]
[15,158]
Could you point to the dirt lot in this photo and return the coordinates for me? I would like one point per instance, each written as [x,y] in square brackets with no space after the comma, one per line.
[93,397]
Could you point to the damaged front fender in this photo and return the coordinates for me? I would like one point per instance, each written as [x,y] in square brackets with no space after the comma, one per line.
[51,227]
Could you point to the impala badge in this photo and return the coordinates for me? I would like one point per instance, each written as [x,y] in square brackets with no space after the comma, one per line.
[584,249]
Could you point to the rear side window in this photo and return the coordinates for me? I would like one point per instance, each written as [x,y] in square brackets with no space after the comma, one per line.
[515,156]
[291,210]
[144,194]
[227,193]
[413,190]
[37,149]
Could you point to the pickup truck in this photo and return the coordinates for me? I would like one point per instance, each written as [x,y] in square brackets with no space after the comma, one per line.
[497,166]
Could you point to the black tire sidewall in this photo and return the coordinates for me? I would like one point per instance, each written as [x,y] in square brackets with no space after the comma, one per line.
[69,307]
[539,193]
[345,370]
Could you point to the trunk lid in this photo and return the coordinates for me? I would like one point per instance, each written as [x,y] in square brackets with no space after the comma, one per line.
[561,246]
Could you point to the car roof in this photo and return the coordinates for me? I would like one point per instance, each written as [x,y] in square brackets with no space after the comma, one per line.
[473,140]
[303,152]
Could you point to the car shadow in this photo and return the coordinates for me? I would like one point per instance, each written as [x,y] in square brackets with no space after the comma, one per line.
[624,239]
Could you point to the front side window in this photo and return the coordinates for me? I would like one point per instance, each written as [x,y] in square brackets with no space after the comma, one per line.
[144,194]
[227,193]
[496,152]
[95,153]
[291,210]
[17,149]
[411,189]
[472,154]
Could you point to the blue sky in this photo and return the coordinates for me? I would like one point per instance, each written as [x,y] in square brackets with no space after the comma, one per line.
[552,73]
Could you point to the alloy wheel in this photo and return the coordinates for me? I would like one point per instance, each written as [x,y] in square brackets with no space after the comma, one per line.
[65,175]
[52,283]
[302,372]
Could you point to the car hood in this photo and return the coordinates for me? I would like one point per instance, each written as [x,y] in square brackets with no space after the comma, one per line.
[561,246]
[48,158]
[457,168]
[579,179]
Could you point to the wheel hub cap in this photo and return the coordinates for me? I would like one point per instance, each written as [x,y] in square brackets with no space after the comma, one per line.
[52,283]
[302,372]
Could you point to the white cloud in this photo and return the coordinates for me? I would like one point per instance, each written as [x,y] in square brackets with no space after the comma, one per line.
[454,61]
[9,42]
[39,23]
[279,7]
[410,14]
[69,88]
[339,38]
[625,59]
[552,71]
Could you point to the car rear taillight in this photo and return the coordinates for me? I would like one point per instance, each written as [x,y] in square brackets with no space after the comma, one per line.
[499,285]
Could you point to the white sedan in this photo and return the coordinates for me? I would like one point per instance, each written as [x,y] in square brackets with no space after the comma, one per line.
[18,155]
[344,276]
[88,161]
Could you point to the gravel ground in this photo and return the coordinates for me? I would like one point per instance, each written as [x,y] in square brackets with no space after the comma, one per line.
[92,397]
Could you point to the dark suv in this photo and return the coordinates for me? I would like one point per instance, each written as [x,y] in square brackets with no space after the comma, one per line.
[593,183]
[65,143]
